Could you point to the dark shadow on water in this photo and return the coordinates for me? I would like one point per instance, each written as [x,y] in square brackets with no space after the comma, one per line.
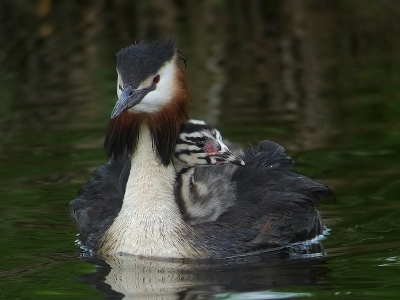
[144,278]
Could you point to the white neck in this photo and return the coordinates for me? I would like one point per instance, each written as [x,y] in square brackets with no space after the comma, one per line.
[150,223]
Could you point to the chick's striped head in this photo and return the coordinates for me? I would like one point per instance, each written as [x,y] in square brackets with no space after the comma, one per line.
[201,145]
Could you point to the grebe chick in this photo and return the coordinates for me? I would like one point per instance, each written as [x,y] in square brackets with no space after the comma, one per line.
[200,145]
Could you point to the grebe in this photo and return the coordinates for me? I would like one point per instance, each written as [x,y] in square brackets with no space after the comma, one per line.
[203,198]
[130,206]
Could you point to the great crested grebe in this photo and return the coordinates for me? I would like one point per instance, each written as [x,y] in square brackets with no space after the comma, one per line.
[131,205]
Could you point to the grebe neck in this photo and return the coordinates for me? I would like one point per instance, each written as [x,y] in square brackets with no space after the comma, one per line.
[150,223]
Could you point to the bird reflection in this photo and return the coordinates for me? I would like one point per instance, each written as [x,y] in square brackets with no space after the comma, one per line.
[132,277]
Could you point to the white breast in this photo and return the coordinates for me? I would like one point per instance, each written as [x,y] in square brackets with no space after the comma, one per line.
[150,223]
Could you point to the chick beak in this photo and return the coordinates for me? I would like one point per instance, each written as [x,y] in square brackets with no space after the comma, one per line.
[129,98]
[227,157]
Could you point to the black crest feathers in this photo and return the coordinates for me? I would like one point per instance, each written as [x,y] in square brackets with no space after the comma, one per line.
[138,61]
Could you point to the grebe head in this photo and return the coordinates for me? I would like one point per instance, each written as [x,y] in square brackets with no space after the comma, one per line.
[201,145]
[152,92]
[146,77]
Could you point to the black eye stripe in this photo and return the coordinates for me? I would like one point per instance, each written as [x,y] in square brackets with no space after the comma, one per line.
[199,143]
[195,139]
[184,142]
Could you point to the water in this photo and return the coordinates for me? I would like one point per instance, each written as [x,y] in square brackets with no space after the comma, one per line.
[321,78]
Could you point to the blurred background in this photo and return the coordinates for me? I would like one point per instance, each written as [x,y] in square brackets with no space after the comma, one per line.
[320,77]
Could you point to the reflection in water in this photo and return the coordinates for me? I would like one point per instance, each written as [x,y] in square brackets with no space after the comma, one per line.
[257,60]
[146,278]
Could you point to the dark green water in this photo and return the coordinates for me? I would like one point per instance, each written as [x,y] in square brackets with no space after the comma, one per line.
[322,78]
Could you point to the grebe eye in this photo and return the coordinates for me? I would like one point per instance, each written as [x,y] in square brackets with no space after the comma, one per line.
[199,144]
[120,87]
[156,79]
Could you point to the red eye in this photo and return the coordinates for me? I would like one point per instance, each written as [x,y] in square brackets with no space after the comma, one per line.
[156,79]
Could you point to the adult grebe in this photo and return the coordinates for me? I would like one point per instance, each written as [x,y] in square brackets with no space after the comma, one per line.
[132,207]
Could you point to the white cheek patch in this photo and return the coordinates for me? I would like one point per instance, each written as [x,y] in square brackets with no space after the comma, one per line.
[119,85]
[163,94]
[188,136]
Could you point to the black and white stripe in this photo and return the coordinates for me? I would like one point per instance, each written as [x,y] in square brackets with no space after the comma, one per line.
[199,145]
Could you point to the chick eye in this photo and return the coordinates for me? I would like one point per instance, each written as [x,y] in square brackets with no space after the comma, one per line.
[156,79]
[199,144]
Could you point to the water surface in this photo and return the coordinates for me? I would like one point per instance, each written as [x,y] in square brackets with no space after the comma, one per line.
[322,78]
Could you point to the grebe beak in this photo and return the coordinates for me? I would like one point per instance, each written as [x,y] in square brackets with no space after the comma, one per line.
[129,98]
[227,157]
